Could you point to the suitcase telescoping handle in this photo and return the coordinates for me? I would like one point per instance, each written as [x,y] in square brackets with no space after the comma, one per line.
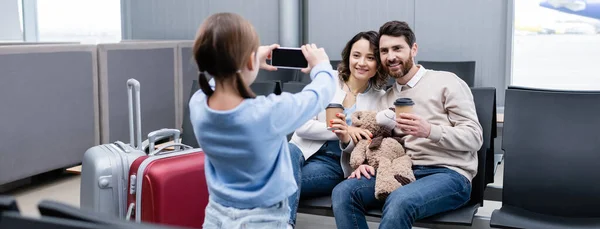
[134,85]
[160,149]
[161,134]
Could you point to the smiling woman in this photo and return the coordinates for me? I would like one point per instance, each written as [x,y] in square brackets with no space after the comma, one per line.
[318,161]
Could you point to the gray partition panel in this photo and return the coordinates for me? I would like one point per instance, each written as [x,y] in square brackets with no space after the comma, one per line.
[35,43]
[153,65]
[49,108]
[189,73]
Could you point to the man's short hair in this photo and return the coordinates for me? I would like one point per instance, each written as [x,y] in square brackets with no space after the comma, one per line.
[398,29]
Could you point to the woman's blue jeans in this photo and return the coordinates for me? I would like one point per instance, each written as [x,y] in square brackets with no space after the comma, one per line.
[316,176]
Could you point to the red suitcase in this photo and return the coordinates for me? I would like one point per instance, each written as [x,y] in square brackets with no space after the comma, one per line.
[168,187]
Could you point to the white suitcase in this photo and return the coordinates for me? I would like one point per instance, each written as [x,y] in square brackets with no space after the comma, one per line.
[105,167]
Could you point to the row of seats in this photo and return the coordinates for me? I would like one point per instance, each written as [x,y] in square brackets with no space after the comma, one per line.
[552,153]
[551,142]
[485,104]
[61,216]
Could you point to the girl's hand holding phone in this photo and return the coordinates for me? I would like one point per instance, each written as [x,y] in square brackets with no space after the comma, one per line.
[314,56]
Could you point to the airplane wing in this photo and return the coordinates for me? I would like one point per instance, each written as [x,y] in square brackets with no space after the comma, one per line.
[586,8]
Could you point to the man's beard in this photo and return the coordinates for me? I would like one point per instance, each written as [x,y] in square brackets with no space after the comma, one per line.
[405,67]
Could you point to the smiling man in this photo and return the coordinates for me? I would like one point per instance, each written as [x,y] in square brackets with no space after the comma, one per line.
[442,136]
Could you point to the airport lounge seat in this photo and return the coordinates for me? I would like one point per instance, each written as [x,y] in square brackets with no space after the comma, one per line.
[282,75]
[463,69]
[266,87]
[62,216]
[293,87]
[552,153]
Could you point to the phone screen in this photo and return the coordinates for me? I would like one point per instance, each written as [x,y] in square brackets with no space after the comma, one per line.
[290,58]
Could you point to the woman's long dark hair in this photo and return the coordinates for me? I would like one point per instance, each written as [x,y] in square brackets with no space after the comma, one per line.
[225,42]
[380,79]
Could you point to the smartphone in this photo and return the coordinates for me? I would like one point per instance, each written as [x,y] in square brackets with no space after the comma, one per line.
[291,58]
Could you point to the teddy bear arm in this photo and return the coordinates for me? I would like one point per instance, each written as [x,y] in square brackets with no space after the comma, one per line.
[403,169]
[358,155]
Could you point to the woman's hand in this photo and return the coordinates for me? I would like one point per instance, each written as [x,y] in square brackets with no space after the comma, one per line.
[264,53]
[358,134]
[341,128]
[346,133]
[365,170]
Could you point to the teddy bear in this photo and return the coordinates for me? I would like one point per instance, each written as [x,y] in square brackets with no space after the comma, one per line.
[384,152]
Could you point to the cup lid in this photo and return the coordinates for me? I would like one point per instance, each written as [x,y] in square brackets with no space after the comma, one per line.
[404,102]
[335,105]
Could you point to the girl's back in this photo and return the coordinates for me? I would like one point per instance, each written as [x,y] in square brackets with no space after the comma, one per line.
[248,160]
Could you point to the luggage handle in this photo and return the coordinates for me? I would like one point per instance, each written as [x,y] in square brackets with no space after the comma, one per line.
[160,149]
[161,134]
[123,146]
[133,84]
[129,211]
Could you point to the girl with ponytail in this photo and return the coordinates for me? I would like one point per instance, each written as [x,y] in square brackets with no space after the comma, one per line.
[248,167]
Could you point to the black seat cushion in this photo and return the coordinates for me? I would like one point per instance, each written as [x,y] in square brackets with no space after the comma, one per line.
[512,217]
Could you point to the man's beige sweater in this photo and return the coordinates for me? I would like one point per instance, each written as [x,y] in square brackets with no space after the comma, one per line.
[446,102]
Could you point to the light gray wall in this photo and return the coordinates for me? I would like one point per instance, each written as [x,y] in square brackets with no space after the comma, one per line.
[465,30]
[457,30]
[180,19]
[332,23]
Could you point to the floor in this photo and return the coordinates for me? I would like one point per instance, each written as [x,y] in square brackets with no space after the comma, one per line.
[65,189]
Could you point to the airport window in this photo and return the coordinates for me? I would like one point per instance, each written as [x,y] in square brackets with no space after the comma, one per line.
[11,21]
[85,21]
[557,44]
[20,5]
